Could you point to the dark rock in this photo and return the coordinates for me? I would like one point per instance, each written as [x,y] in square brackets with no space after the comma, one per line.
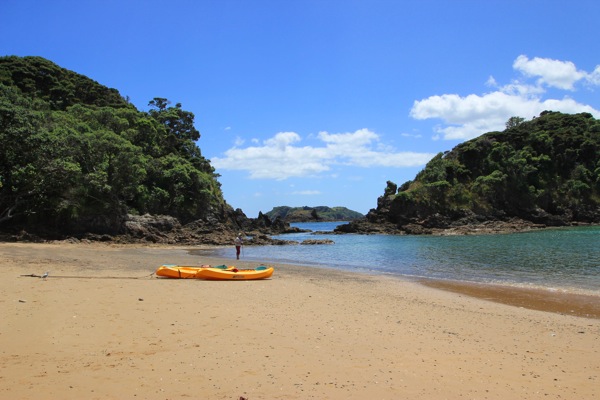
[318,241]
[389,218]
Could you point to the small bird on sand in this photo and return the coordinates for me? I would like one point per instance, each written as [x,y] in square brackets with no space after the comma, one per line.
[45,275]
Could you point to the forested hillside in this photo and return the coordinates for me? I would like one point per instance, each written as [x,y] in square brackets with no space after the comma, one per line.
[546,171]
[77,156]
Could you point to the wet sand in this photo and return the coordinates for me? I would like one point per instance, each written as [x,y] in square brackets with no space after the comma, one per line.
[581,305]
[101,326]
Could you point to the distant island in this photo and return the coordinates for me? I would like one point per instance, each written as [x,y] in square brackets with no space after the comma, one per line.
[311,214]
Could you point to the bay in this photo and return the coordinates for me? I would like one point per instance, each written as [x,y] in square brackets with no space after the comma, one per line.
[563,258]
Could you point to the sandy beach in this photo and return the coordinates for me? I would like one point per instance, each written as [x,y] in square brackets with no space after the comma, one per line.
[102,326]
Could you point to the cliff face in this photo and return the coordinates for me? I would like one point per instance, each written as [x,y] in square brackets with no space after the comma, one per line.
[545,172]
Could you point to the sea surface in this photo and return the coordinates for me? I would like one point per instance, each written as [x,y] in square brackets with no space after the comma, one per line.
[563,259]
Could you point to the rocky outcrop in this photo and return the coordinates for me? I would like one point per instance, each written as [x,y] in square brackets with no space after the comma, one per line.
[211,231]
[218,228]
[390,219]
[264,224]
[317,241]
[476,228]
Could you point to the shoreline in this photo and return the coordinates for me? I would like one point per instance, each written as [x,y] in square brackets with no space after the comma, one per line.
[541,299]
[556,300]
[101,327]
[559,301]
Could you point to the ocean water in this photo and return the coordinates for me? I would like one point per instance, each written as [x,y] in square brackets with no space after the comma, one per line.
[563,259]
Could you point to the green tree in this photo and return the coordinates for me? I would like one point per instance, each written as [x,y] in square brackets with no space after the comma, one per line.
[76,156]
[550,164]
[514,122]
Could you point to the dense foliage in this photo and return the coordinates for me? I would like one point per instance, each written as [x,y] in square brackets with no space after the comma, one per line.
[541,169]
[319,213]
[75,155]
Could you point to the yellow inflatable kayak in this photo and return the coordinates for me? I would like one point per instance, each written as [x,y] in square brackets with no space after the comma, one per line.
[184,272]
[220,273]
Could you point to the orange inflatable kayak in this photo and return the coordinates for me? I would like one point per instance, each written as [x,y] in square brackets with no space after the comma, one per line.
[221,272]
[216,274]
[184,272]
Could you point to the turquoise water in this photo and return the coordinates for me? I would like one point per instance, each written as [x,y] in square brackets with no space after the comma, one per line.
[566,258]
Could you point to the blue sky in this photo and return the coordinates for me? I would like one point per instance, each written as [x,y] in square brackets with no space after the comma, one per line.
[305,102]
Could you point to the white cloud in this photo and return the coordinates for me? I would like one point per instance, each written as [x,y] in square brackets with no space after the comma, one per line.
[307,192]
[283,139]
[594,77]
[491,82]
[555,73]
[412,135]
[472,115]
[280,157]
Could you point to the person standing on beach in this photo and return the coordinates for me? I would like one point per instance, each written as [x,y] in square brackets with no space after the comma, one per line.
[238,244]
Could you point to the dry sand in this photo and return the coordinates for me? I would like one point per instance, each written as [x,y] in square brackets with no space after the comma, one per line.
[102,327]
